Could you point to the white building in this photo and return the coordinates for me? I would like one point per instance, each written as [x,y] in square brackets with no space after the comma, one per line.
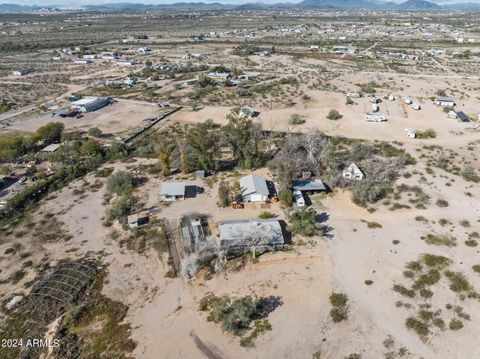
[171,191]
[83,61]
[444,101]
[410,132]
[352,172]
[374,117]
[24,71]
[254,189]
[90,103]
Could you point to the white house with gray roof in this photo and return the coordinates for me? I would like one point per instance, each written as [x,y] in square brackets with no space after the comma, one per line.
[254,188]
[171,191]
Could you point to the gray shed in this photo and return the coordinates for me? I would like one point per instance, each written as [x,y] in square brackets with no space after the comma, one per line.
[254,188]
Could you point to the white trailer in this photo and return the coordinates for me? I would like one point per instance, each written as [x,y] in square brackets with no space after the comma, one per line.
[299,199]
[375,107]
[407,100]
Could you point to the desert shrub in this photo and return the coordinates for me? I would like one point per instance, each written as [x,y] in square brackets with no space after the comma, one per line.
[120,183]
[334,115]
[428,133]
[121,206]
[297,120]
[442,203]
[434,261]
[304,222]
[339,302]
[266,215]
[458,282]
[418,326]
[471,243]
[94,131]
[476,268]
[364,192]
[455,324]
[440,240]
[469,174]
[404,291]
[51,132]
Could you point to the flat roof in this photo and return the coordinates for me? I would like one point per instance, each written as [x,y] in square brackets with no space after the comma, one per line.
[266,231]
[173,189]
[86,101]
[308,185]
[51,148]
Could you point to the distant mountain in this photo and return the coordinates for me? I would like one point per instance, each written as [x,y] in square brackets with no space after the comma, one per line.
[419,4]
[305,4]
[335,4]
[138,6]
[16,7]
[462,6]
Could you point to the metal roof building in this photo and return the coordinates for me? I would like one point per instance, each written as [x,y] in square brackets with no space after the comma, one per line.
[51,148]
[89,104]
[170,191]
[308,185]
[240,236]
[254,188]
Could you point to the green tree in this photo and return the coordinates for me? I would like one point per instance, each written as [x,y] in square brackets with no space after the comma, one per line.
[303,222]
[51,132]
[90,148]
[243,137]
[204,144]
[120,183]
[164,156]
[223,194]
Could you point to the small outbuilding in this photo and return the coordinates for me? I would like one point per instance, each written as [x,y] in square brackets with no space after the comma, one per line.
[254,188]
[171,191]
[51,148]
[462,116]
[352,172]
[136,220]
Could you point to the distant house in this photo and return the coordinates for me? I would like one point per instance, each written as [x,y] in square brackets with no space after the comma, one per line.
[220,75]
[308,185]
[90,56]
[254,189]
[352,172]
[126,62]
[238,237]
[314,47]
[374,117]
[51,148]
[410,132]
[444,101]
[462,116]
[90,103]
[24,71]
[83,61]
[353,94]
[171,191]
[190,82]
[144,50]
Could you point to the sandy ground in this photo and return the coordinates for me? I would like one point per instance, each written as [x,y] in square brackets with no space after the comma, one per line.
[119,117]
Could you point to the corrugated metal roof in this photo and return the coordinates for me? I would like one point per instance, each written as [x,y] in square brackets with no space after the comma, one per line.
[308,185]
[241,232]
[173,189]
[253,184]
[51,148]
